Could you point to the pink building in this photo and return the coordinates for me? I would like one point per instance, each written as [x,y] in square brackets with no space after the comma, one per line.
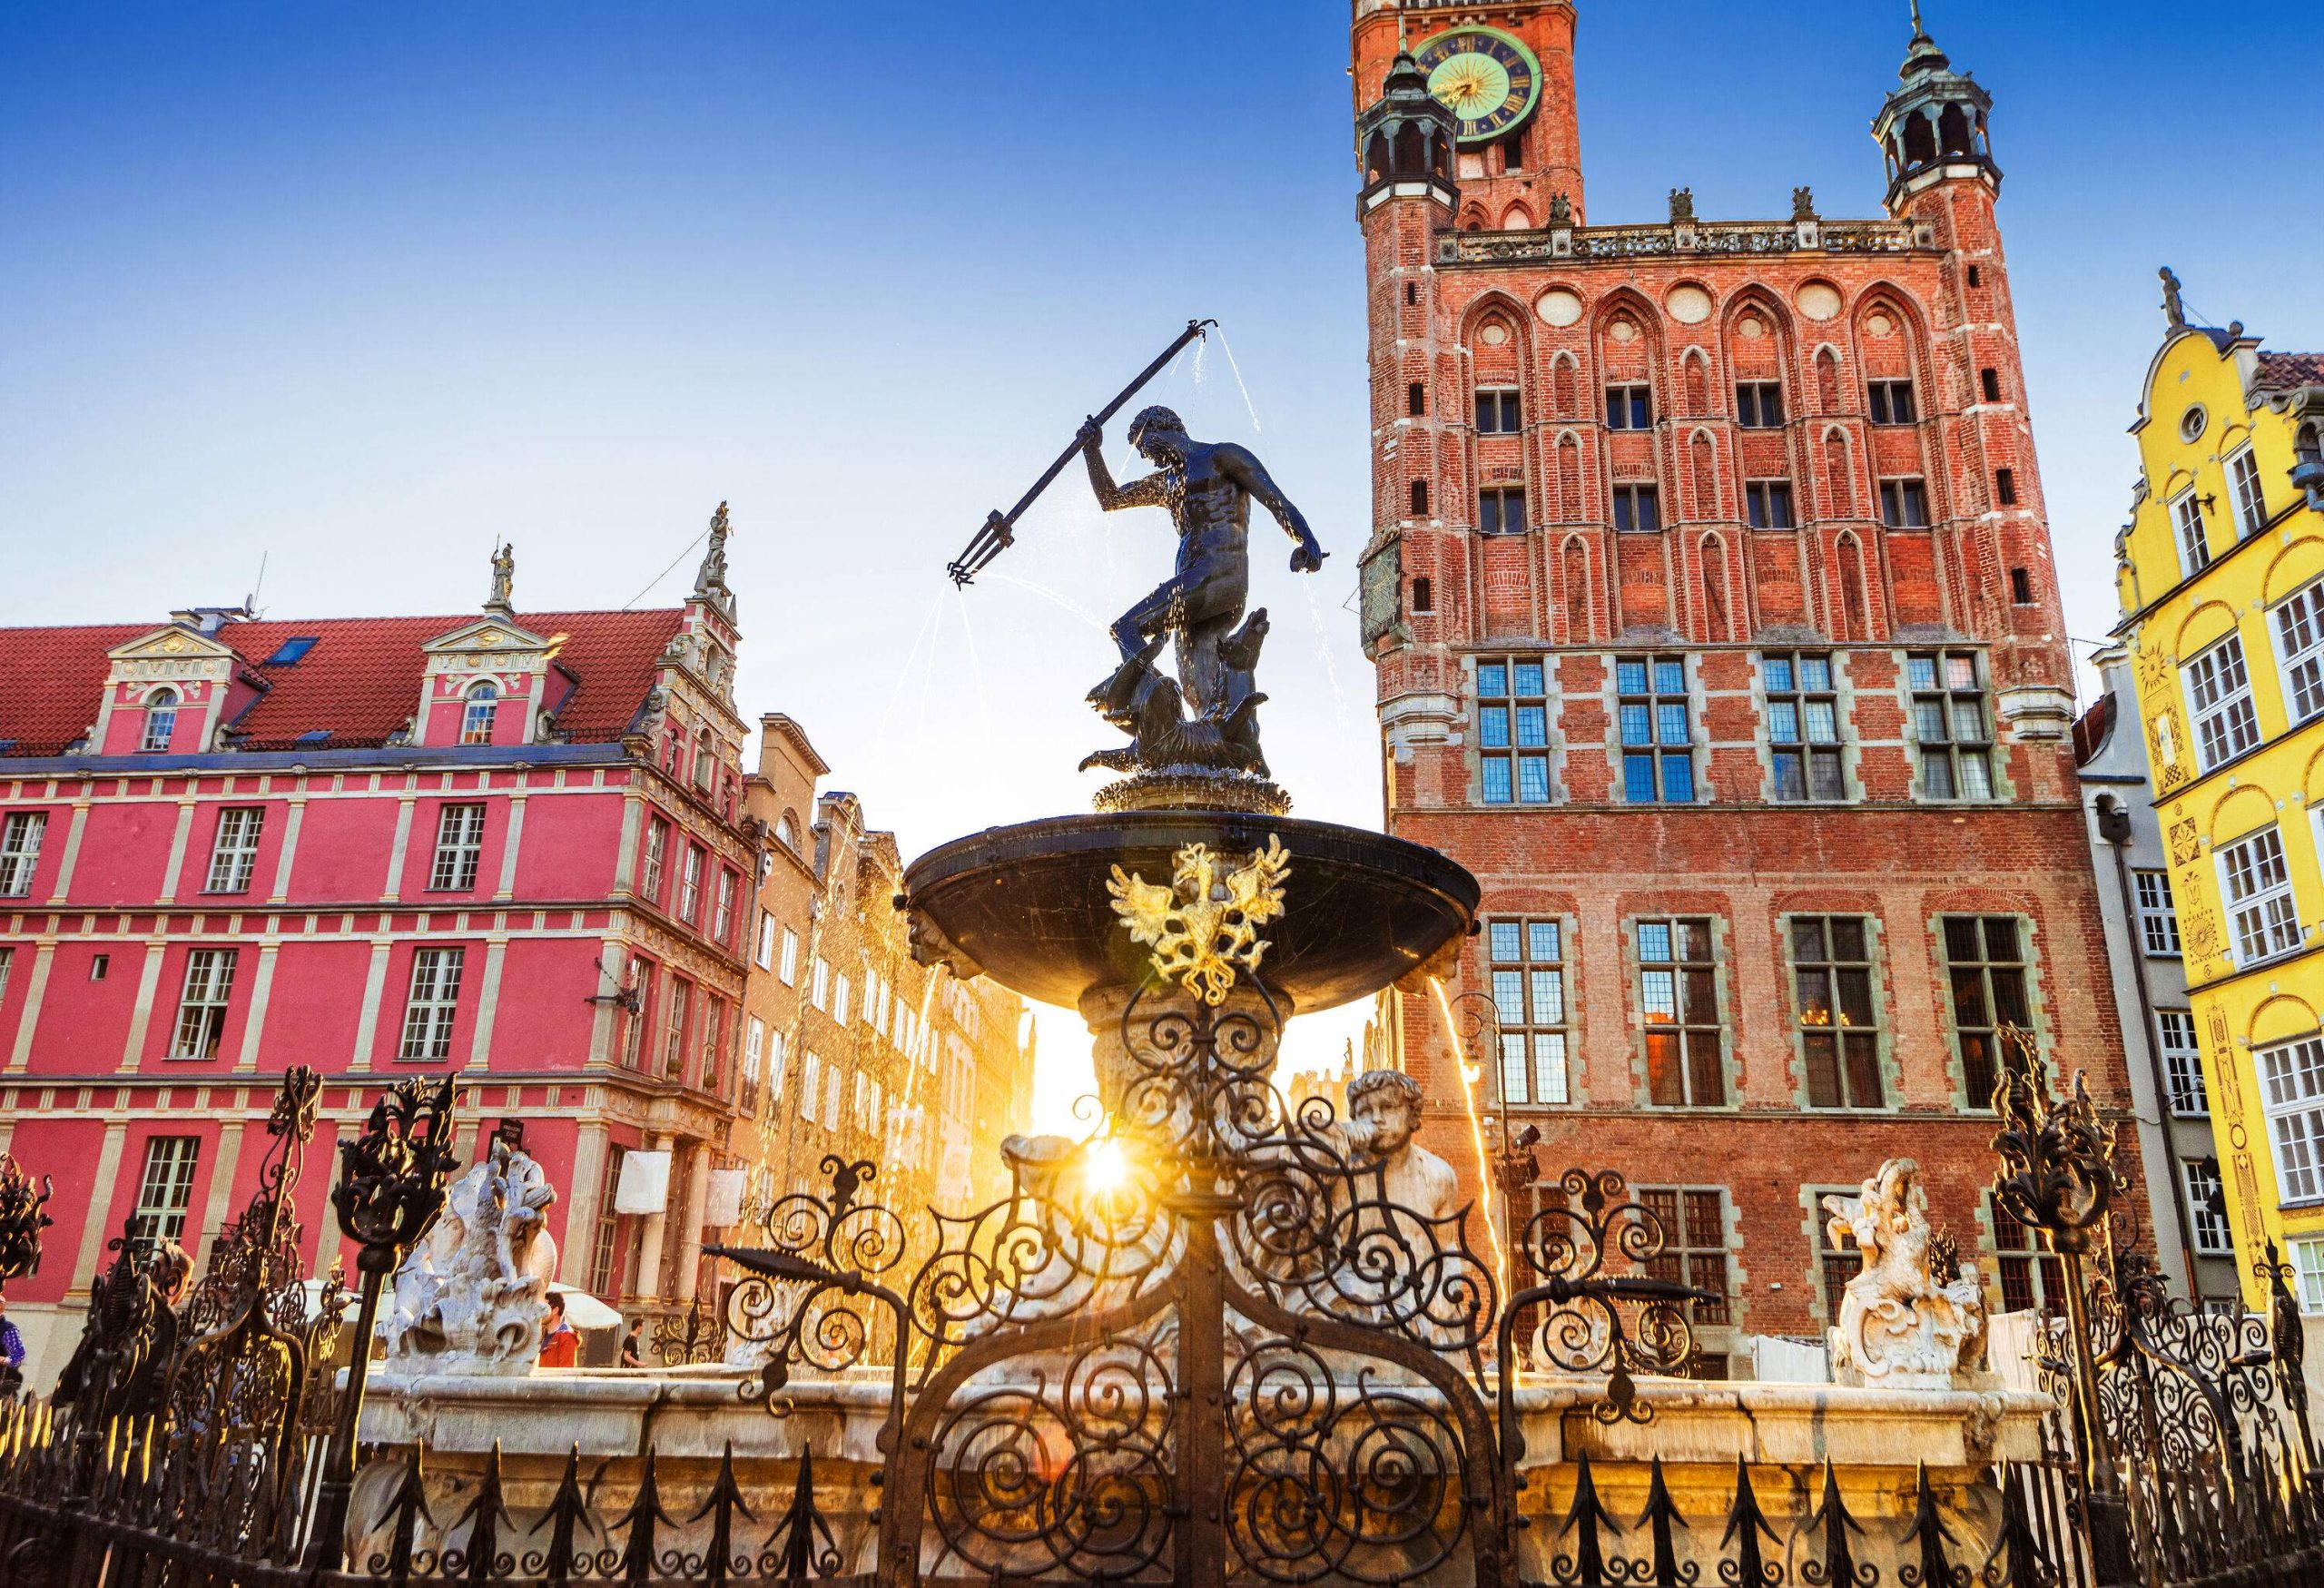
[510,846]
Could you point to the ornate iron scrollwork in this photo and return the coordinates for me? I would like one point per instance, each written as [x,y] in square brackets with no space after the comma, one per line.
[1590,1317]
[22,1217]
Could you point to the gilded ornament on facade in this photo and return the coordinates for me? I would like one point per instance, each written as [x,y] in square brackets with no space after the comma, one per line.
[1205,926]
[2186,842]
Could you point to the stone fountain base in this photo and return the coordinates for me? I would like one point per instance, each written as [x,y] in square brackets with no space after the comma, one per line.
[1876,1441]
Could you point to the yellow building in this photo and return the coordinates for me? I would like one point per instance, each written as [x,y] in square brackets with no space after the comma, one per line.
[2221,577]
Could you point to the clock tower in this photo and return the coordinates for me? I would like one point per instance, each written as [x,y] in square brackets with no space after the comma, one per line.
[1506,71]
[1711,596]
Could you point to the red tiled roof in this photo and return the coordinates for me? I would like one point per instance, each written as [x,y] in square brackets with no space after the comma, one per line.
[2290,371]
[360,680]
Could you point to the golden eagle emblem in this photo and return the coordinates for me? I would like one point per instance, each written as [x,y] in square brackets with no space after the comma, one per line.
[1205,926]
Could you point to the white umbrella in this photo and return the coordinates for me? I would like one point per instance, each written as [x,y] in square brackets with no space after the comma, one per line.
[585,1311]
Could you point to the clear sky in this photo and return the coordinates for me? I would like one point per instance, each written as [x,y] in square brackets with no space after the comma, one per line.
[357,289]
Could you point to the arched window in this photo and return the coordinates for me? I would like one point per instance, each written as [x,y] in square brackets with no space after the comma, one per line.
[483,708]
[161,719]
[786,832]
[705,762]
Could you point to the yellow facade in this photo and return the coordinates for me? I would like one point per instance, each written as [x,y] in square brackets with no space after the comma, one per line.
[2221,578]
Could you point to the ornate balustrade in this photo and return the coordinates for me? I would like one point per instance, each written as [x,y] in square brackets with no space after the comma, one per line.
[1686,238]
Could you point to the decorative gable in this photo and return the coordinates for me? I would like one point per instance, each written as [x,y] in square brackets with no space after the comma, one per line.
[486,683]
[164,692]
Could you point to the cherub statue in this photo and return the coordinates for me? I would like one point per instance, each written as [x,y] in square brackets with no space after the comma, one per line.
[1916,1316]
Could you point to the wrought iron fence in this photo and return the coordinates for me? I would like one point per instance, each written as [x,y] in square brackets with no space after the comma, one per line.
[1196,1318]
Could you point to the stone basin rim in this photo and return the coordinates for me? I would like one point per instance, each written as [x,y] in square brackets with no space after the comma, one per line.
[1041,925]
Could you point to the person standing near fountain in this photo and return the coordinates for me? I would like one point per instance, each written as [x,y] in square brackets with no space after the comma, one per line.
[1190,732]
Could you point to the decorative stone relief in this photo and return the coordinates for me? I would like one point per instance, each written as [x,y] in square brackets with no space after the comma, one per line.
[1915,1319]
[471,1298]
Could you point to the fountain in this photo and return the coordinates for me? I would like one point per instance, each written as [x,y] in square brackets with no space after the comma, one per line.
[1225,1338]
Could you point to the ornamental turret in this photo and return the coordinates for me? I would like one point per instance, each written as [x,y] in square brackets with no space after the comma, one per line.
[1405,140]
[1933,126]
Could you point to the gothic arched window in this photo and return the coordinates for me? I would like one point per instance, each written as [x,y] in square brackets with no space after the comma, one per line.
[161,719]
[482,710]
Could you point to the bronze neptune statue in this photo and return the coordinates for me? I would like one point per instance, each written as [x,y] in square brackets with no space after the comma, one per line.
[1195,739]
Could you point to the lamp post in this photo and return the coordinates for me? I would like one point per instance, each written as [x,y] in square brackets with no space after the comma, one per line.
[392,1182]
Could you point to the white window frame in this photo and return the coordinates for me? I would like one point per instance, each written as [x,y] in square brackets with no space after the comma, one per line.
[165,1187]
[20,842]
[7,963]
[199,1028]
[2158,914]
[2188,533]
[2250,495]
[2219,703]
[161,712]
[656,856]
[459,848]
[819,985]
[2299,624]
[842,990]
[677,1004]
[2307,1258]
[432,1005]
[690,884]
[764,955]
[754,1062]
[778,1058]
[2291,1089]
[233,851]
[722,905]
[787,968]
[2199,1180]
[479,709]
[2182,1064]
[2255,881]
[833,1082]
[811,1077]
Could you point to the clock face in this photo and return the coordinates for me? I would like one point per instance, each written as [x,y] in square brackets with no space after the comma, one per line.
[1490,81]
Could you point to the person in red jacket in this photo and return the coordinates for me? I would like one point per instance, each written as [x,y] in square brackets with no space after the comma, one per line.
[560,1346]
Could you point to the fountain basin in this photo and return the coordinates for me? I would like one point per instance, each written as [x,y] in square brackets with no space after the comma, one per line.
[1028,905]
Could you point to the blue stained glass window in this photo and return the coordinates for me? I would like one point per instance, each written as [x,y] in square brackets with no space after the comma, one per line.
[1815,672]
[1497,784]
[1493,727]
[1533,726]
[1638,779]
[1508,944]
[1492,680]
[1678,779]
[1638,725]
[1545,935]
[1629,677]
[1779,673]
[1533,780]
[1670,677]
[1654,941]
[1670,722]
[1783,721]
[1528,678]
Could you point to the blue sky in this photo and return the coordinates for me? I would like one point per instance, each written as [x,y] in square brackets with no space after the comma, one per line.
[358,288]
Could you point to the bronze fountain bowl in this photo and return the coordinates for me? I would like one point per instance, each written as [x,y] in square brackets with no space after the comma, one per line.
[1027,904]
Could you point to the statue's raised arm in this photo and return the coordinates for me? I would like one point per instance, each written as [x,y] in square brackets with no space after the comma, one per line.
[1153,491]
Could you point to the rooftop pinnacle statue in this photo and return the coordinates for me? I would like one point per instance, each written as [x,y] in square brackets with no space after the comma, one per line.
[1186,730]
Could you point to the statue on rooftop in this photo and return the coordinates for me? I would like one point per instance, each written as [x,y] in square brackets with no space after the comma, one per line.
[504,579]
[1203,722]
